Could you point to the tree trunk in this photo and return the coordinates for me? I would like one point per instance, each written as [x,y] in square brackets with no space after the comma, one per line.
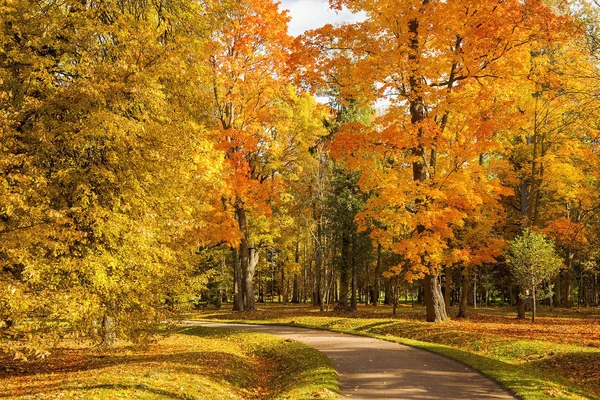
[296,288]
[474,292]
[283,285]
[533,307]
[253,258]
[353,304]
[248,260]
[387,287]
[377,282]
[342,304]
[238,299]
[434,300]
[464,294]
[394,295]
[447,288]
[568,281]
[521,304]
[109,331]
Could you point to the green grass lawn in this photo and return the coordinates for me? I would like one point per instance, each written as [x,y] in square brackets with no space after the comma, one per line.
[558,357]
[195,363]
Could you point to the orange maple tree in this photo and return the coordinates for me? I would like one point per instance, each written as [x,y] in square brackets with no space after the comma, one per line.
[438,65]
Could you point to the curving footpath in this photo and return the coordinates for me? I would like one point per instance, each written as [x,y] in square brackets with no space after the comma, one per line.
[370,368]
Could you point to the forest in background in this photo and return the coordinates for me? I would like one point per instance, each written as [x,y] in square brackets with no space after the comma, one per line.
[154,153]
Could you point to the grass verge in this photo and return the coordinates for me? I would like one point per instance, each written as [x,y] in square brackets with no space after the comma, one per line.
[196,363]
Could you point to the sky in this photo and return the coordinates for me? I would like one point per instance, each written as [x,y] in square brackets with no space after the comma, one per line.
[311,14]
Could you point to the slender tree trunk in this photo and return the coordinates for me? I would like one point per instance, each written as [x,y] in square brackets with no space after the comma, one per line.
[464,294]
[475,292]
[238,299]
[283,284]
[296,287]
[342,304]
[557,294]
[533,307]
[521,304]
[394,295]
[109,330]
[378,275]
[447,288]
[353,304]
[253,258]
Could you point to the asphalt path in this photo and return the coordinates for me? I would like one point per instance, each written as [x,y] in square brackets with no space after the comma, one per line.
[370,368]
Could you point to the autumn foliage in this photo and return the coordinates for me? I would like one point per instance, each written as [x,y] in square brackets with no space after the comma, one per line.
[157,153]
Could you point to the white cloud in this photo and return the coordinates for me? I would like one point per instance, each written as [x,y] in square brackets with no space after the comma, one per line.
[312,14]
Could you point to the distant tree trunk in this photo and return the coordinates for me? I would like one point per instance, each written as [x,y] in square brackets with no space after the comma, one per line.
[318,294]
[521,303]
[253,258]
[238,299]
[342,304]
[296,288]
[109,330]
[394,295]
[475,292]
[377,282]
[353,304]
[447,288]
[434,300]
[556,293]
[568,281]
[595,288]
[284,293]
[464,294]
[533,307]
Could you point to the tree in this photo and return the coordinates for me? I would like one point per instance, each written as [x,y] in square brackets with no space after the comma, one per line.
[532,260]
[437,63]
[101,162]
[260,122]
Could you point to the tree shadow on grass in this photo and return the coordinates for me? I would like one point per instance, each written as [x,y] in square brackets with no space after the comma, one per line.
[220,367]
[528,380]
[156,373]
[581,368]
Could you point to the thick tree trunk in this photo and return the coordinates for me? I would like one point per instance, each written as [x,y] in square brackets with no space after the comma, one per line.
[387,287]
[248,260]
[434,300]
